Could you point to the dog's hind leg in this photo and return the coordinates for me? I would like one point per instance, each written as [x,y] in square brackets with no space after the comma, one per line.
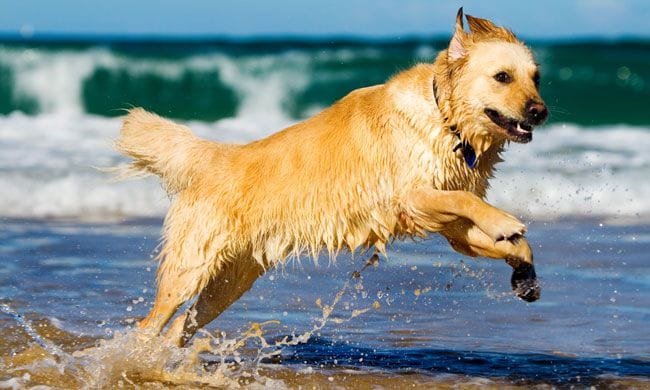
[231,282]
[175,287]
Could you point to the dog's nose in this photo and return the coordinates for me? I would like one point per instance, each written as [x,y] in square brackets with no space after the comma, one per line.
[536,112]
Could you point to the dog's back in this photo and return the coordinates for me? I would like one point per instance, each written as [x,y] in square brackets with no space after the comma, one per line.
[321,183]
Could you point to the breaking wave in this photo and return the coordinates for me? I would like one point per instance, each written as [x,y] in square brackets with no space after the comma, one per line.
[48,169]
[59,103]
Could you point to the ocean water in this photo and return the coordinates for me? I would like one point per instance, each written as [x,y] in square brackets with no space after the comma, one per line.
[76,246]
[424,317]
[60,103]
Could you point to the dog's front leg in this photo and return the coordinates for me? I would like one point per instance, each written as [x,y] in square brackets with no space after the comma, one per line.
[467,238]
[434,209]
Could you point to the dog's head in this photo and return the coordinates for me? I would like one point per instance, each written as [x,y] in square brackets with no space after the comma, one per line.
[493,81]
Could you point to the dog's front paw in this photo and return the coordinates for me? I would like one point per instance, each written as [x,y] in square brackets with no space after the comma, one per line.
[524,282]
[500,225]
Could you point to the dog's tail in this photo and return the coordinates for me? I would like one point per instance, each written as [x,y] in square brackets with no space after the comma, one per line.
[161,147]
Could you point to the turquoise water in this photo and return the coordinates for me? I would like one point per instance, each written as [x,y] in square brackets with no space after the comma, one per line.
[60,104]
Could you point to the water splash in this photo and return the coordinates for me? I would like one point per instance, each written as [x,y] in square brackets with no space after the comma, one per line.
[63,359]
[134,357]
[50,347]
[461,271]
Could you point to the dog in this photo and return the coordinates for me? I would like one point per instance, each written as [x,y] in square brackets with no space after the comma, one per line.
[402,159]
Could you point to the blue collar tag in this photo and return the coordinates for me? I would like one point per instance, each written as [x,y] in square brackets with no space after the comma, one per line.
[469,154]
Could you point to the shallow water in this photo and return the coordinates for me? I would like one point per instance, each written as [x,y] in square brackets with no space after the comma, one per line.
[426,316]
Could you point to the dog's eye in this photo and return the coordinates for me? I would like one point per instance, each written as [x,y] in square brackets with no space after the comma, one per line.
[536,79]
[503,77]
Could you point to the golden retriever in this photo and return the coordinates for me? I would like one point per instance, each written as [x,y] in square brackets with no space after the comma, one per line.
[404,158]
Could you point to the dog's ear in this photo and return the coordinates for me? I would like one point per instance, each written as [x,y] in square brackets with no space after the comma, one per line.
[480,26]
[484,29]
[458,40]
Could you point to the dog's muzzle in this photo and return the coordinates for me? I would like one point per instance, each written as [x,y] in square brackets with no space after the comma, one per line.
[524,282]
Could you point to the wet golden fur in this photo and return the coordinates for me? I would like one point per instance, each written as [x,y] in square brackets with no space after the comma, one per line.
[377,164]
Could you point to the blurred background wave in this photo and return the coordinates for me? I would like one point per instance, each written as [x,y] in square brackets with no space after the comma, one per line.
[63,87]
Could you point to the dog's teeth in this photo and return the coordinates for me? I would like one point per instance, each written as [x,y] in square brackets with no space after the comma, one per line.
[522,130]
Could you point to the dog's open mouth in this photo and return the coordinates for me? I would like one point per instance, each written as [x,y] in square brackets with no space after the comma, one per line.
[521,132]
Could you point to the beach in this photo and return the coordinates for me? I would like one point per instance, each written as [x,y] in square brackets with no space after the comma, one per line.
[77,248]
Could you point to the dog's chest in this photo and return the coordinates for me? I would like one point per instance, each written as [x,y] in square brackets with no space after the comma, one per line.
[436,163]
[450,172]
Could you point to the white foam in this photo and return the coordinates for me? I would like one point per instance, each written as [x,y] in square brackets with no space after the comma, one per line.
[47,168]
[263,83]
[53,79]
[572,171]
[48,165]
[47,161]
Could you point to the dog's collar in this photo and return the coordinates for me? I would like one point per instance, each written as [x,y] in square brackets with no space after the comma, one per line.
[469,154]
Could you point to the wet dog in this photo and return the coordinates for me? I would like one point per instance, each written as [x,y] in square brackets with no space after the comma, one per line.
[404,158]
